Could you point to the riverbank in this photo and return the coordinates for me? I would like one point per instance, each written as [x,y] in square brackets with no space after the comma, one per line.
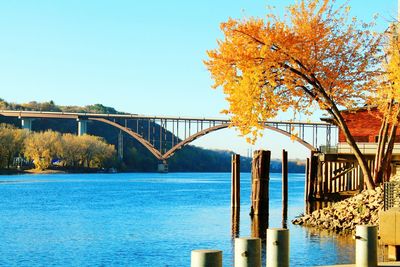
[54,171]
[343,216]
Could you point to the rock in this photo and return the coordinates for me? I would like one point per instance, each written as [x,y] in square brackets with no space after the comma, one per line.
[343,216]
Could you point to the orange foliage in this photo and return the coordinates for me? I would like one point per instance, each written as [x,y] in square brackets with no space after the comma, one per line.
[313,57]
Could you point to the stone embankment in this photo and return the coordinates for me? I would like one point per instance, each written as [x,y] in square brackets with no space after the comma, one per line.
[343,216]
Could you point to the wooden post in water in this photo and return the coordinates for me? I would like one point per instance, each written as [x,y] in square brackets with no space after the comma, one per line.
[260,183]
[307,181]
[235,194]
[284,188]
[313,175]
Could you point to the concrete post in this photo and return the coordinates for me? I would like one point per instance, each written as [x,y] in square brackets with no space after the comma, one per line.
[26,123]
[366,246]
[206,258]
[162,167]
[248,252]
[277,247]
[82,127]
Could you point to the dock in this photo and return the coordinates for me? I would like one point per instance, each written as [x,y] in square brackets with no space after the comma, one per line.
[389,263]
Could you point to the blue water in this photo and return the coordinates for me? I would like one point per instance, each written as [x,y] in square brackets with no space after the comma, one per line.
[141,220]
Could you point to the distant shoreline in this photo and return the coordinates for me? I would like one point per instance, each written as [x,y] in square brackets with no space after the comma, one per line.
[85,171]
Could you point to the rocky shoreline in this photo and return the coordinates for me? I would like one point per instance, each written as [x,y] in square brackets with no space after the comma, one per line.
[343,216]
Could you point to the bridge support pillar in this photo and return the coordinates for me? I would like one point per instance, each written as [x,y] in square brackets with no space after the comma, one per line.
[162,166]
[82,127]
[26,123]
[120,145]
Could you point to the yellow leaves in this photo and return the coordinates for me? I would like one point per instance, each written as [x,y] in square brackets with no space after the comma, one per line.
[73,151]
[387,97]
[311,56]
[294,136]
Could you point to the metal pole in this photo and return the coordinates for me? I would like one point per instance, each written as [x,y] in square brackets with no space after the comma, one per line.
[277,247]
[247,252]
[206,258]
[366,246]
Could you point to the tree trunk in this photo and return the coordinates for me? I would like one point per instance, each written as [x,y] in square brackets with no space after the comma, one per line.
[386,170]
[357,153]
[341,123]
[382,139]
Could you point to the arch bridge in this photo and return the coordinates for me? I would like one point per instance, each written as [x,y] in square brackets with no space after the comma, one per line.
[163,136]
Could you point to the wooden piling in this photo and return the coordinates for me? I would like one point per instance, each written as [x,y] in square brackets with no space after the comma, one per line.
[307,181]
[260,183]
[313,176]
[235,185]
[284,188]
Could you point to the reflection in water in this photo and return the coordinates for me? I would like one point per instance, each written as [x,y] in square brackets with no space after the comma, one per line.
[259,225]
[284,222]
[235,218]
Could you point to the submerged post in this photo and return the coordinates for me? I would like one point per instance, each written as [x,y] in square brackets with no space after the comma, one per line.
[235,184]
[260,183]
[284,188]
[277,247]
[366,246]
[248,252]
[206,258]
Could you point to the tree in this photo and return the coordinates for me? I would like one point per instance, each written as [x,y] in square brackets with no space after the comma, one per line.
[42,148]
[11,144]
[71,150]
[313,57]
[85,151]
[387,100]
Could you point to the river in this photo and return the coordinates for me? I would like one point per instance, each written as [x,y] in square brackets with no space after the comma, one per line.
[142,219]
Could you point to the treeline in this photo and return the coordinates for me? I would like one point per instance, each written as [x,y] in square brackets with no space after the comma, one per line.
[51,106]
[48,148]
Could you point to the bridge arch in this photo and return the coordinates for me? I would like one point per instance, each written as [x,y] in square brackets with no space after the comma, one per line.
[136,136]
[172,151]
[193,137]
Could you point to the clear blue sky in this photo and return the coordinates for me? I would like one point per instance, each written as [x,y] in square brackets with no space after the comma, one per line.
[137,56]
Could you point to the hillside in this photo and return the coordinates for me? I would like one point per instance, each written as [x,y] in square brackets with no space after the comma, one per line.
[136,157]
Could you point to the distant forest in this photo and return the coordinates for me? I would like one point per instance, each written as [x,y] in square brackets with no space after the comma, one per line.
[136,158]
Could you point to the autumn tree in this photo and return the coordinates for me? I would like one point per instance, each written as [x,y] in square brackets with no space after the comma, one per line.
[387,101]
[11,144]
[72,151]
[85,151]
[315,56]
[42,148]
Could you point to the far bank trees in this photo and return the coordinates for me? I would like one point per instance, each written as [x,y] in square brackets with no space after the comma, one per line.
[11,144]
[313,57]
[47,148]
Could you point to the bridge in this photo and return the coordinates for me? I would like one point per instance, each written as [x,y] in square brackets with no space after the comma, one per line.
[163,136]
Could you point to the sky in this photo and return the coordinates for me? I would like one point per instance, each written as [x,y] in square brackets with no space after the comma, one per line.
[143,57]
